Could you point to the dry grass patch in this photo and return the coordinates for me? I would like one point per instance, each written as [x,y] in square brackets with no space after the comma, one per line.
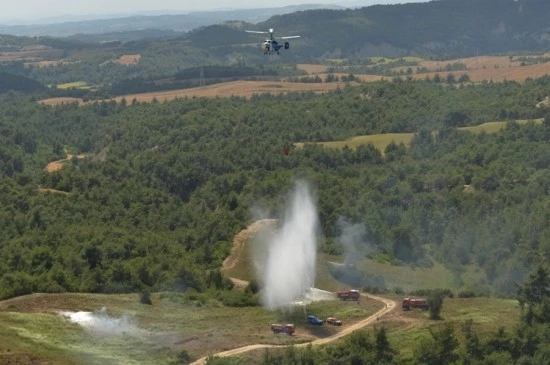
[235,88]
[44,64]
[128,59]
[57,165]
[312,69]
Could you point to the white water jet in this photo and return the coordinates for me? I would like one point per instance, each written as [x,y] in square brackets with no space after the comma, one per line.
[288,268]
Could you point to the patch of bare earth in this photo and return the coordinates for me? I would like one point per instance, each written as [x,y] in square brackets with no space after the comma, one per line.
[239,243]
[129,59]
[57,165]
[126,60]
[312,69]
[53,191]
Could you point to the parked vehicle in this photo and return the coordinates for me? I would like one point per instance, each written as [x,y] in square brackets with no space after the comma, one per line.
[283,328]
[410,303]
[351,294]
[333,321]
[314,320]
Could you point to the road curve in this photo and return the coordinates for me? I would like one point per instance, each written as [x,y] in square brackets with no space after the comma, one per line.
[389,306]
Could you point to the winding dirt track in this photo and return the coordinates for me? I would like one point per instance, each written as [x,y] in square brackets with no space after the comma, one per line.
[390,305]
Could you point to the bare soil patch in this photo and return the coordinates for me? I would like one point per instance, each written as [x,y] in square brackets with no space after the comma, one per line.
[57,165]
[129,59]
[53,191]
[312,69]
[239,244]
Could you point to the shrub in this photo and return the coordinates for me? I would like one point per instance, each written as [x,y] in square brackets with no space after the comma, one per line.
[145,298]
[466,294]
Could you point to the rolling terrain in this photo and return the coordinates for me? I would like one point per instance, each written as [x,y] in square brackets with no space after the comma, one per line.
[121,330]
[478,69]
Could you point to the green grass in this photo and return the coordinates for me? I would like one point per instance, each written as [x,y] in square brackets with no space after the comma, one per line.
[487,314]
[157,333]
[74,85]
[381,141]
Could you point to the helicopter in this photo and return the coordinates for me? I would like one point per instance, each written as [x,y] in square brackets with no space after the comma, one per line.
[271,46]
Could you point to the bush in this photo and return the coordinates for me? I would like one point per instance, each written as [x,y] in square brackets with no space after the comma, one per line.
[237,299]
[398,291]
[427,292]
[466,294]
[145,298]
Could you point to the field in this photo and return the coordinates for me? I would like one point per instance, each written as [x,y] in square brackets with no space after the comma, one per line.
[134,333]
[381,141]
[73,85]
[483,68]
[129,59]
[31,54]
[43,64]
[235,88]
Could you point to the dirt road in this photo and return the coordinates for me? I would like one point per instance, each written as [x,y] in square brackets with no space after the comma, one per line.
[389,306]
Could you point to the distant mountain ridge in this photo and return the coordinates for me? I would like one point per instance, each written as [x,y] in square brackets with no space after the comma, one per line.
[447,28]
[175,22]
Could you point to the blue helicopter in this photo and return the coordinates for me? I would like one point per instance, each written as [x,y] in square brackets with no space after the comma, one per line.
[271,46]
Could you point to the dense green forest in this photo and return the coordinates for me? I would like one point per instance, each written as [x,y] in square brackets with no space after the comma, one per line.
[165,186]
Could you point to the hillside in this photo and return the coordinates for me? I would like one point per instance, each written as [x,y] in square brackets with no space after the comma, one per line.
[445,28]
[131,27]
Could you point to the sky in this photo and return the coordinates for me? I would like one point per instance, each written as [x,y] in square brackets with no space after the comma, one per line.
[28,10]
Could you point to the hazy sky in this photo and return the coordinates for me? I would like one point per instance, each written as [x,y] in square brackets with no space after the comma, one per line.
[39,9]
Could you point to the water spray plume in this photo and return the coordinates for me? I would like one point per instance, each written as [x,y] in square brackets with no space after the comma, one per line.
[288,269]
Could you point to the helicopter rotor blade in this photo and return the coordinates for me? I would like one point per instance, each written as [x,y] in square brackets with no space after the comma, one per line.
[291,37]
[255,31]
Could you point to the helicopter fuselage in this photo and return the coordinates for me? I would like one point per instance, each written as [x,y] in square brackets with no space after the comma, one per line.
[271,46]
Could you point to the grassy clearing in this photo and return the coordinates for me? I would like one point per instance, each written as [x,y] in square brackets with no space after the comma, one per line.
[74,85]
[487,314]
[152,334]
[409,278]
[381,141]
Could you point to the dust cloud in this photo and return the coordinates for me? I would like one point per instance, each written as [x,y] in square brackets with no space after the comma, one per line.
[287,269]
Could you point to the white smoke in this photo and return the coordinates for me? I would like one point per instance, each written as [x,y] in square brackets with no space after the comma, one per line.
[352,236]
[287,268]
[100,323]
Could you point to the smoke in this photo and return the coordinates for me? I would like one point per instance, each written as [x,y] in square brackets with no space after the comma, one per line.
[287,265]
[100,323]
[351,237]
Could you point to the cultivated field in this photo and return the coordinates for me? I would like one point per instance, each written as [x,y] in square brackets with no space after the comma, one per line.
[482,68]
[129,59]
[312,69]
[44,64]
[235,88]
[31,54]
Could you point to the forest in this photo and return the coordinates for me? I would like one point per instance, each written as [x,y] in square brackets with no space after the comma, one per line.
[151,195]
[162,188]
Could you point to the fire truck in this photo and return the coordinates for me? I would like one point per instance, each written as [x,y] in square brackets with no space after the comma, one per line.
[351,294]
[283,328]
[410,303]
